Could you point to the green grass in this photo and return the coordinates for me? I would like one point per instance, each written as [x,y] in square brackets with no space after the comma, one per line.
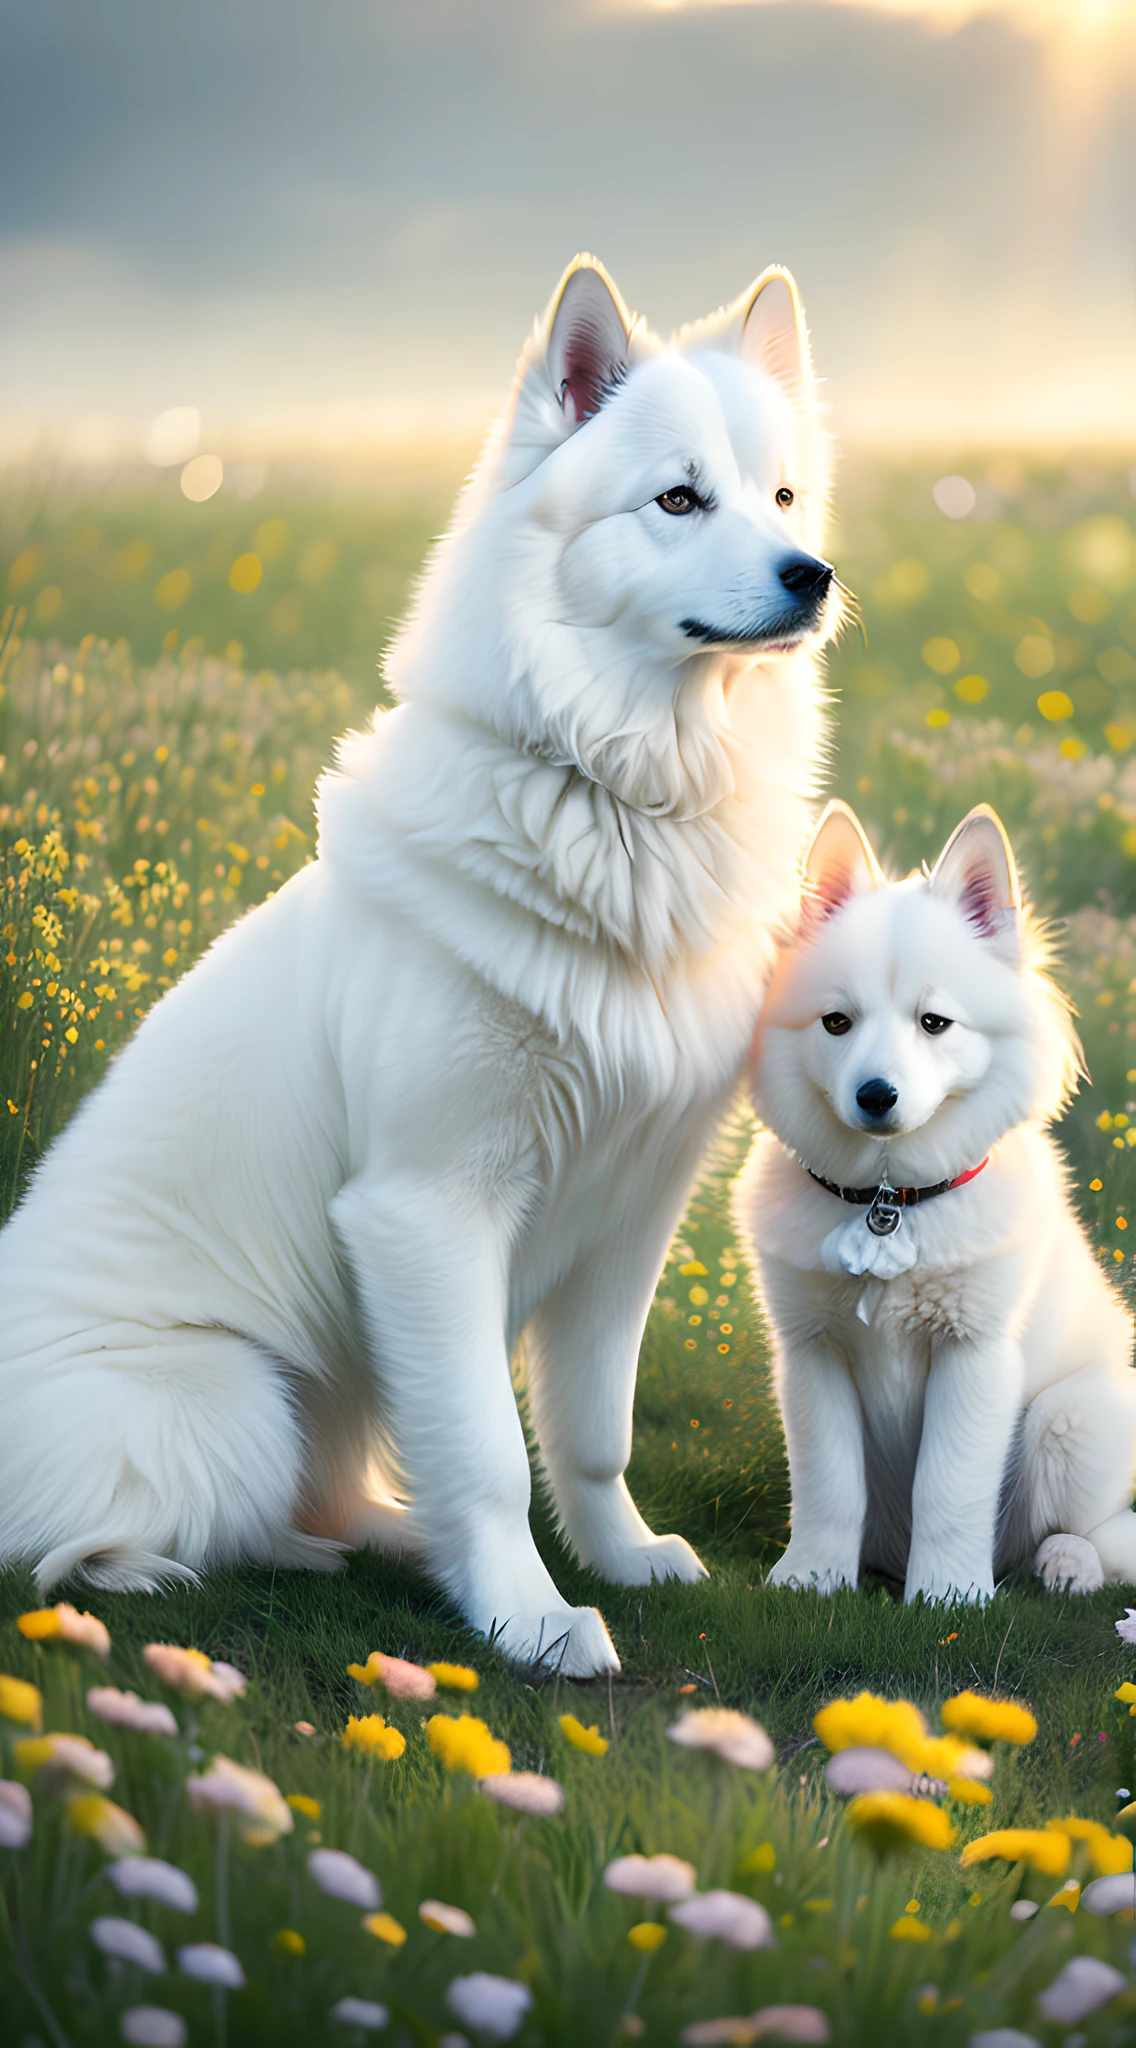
[173,769]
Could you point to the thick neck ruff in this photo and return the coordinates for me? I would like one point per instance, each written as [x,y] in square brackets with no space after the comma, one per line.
[884,1203]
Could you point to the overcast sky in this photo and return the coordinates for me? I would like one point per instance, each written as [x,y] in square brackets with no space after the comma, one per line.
[332,216]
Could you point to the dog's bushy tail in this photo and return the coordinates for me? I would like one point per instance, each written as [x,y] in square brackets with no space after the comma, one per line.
[142,1467]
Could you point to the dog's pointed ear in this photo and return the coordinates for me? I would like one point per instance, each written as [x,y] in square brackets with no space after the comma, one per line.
[839,862]
[588,327]
[774,337]
[977,871]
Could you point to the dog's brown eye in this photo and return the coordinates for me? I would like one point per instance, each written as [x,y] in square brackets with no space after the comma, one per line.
[679,501]
[934,1025]
[784,497]
[836,1023]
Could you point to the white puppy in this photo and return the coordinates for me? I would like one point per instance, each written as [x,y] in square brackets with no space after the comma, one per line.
[453,1083]
[952,1366]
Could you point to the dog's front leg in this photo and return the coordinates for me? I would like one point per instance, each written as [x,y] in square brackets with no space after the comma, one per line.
[824,1434]
[583,1357]
[974,1396]
[431,1271]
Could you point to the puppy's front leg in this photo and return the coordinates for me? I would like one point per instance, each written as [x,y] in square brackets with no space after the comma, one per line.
[974,1396]
[824,1433]
[431,1267]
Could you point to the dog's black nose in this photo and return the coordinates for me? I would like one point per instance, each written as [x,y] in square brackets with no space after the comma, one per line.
[806,577]
[876,1097]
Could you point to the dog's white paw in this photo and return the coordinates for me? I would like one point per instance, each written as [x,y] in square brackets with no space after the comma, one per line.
[572,1641]
[661,1557]
[1068,1564]
[805,1574]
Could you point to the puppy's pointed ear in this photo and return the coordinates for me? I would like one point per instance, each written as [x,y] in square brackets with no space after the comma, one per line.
[588,327]
[977,871]
[839,863]
[774,336]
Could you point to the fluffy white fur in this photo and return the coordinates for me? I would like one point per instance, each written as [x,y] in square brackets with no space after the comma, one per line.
[957,1399]
[453,1083]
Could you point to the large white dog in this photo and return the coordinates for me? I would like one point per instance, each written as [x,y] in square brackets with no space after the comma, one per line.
[453,1082]
[952,1366]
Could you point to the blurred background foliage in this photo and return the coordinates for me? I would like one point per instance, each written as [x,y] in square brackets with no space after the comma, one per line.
[176,672]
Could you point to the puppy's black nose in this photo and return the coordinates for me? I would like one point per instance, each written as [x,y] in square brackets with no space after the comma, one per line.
[806,577]
[876,1097]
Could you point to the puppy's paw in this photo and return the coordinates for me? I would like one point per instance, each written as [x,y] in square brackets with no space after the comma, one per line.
[660,1557]
[1068,1564]
[571,1641]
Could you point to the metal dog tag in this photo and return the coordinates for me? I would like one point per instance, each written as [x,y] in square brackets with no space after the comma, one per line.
[884,1217]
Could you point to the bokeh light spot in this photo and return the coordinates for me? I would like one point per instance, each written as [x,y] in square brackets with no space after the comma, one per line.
[202,478]
[1055,705]
[972,689]
[174,436]
[955,497]
[245,574]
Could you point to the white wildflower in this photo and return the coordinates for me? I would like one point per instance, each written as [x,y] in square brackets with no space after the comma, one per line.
[446,1919]
[1110,1894]
[1023,1909]
[192,1672]
[1082,1987]
[360,2012]
[15,1815]
[209,1963]
[153,2026]
[1126,1629]
[1002,2037]
[525,1792]
[664,1879]
[147,1877]
[490,2005]
[225,1786]
[126,1710]
[857,1770]
[734,1737]
[341,1877]
[726,1916]
[128,1943]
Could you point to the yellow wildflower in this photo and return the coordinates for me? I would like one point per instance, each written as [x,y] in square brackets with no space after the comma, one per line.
[759,1860]
[21,1702]
[1127,1694]
[116,1831]
[455,1677]
[966,1793]
[301,1803]
[588,1739]
[68,1625]
[908,1929]
[370,1734]
[1109,1854]
[1044,1849]
[985,1720]
[386,1928]
[646,1936]
[890,1821]
[869,1722]
[289,1942]
[1069,1896]
[465,1744]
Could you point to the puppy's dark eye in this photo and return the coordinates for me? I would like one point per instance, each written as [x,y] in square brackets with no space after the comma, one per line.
[784,497]
[836,1023]
[680,501]
[934,1025]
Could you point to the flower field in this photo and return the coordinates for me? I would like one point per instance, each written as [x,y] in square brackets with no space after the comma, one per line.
[344,1818]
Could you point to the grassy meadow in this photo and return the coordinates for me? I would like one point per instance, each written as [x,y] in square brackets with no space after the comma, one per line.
[172,677]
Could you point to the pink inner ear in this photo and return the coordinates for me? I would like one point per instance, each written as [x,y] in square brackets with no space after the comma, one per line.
[587,370]
[980,903]
[826,892]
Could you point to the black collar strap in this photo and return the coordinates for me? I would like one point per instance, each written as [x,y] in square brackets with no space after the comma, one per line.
[885,1204]
[898,1198]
